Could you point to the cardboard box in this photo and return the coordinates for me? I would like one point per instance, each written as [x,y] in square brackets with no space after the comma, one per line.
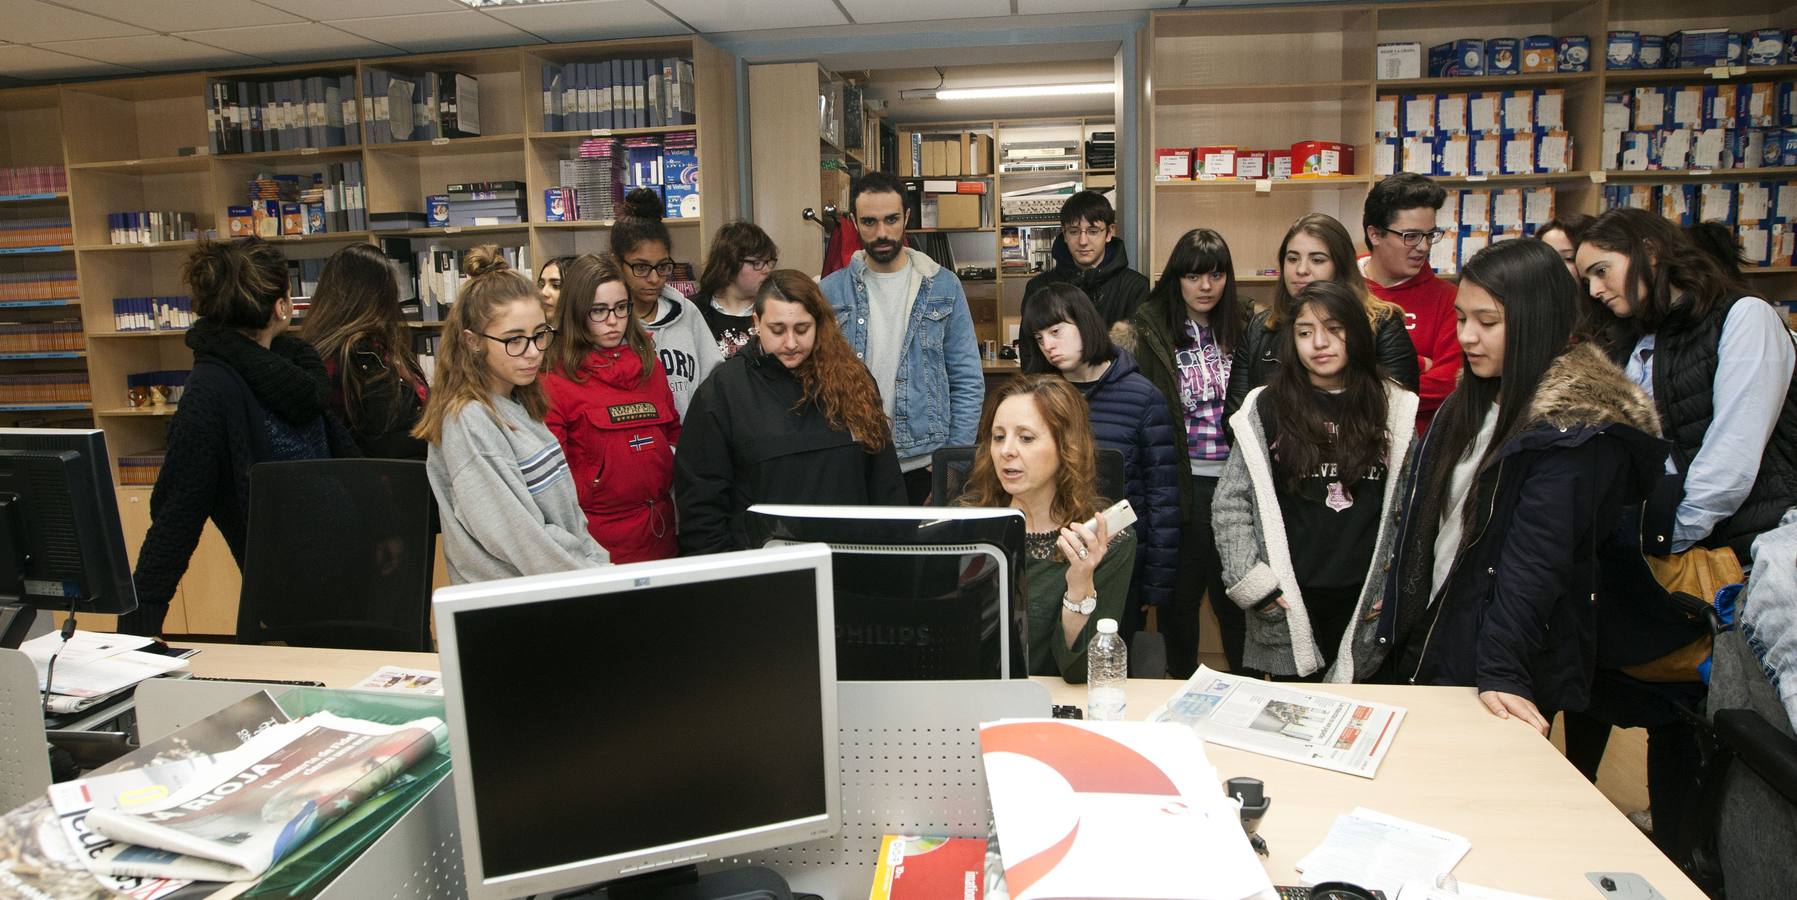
[242,224]
[1453,155]
[1619,110]
[265,218]
[1519,111]
[970,187]
[1756,105]
[1485,112]
[1539,54]
[1251,164]
[1716,202]
[1418,156]
[1386,152]
[1553,151]
[1418,115]
[1279,163]
[979,154]
[1519,153]
[1215,162]
[1387,119]
[1623,50]
[1400,60]
[1457,58]
[1790,57]
[1316,159]
[957,211]
[1503,56]
[1451,114]
[293,219]
[436,210]
[833,187]
[907,162]
[1763,46]
[1702,48]
[1719,105]
[1488,154]
[1684,106]
[1653,52]
[1573,53]
[1651,108]
[1173,164]
[1550,108]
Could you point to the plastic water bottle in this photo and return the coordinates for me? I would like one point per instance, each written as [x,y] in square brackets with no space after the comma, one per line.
[1107,668]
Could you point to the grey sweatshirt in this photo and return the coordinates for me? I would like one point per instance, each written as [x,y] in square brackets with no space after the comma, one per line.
[684,343]
[507,500]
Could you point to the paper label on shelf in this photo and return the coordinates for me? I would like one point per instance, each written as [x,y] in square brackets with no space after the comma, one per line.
[453,229]
[308,151]
[292,237]
[1263,185]
[438,142]
[1478,177]
[601,132]
[1717,72]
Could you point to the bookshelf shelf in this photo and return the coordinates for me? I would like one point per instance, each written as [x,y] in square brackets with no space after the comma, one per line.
[296,157]
[1751,271]
[161,165]
[38,304]
[1699,76]
[1539,178]
[453,230]
[954,230]
[137,248]
[1327,183]
[42,407]
[582,224]
[1702,174]
[45,354]
[34,251]
[140,411]
[1254,92]
[494,143]
[424,324]
[34,198]
[563,136]
[1483,82]
[323,237]
[137,335]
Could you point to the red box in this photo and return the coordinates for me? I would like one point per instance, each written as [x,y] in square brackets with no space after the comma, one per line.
[1251,164]
[1214,162]
[1318,159]
[1173,164]
[1279,163]
[970,187]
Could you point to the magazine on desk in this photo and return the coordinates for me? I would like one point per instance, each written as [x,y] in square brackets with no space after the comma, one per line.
[1285,721]
[254,804]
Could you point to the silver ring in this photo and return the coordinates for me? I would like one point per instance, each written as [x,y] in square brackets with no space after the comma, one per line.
[1083,553]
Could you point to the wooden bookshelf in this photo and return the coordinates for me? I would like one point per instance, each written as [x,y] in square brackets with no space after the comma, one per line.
[143,144]
[1266,77]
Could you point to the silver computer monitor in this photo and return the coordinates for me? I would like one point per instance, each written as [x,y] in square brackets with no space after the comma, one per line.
[923,593]
[617,721]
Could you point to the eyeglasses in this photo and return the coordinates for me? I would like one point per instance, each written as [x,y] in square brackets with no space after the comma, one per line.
[1413,238]
[515,345]
[1091,233]
[642,270]
[762,265]
[601,313]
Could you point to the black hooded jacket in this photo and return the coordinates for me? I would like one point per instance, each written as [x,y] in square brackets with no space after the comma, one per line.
[1115,288]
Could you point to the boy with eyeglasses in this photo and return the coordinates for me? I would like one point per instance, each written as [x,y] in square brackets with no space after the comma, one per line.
[1399,218]
[1089,255]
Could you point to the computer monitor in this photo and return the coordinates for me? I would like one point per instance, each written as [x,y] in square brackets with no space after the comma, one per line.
[922,593]
[628,719]
[61,546]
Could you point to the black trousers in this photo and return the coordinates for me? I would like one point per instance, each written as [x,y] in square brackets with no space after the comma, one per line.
[1673,753]
[1200,573]
[917,486]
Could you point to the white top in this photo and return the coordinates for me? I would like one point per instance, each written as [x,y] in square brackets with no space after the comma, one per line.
[888,310]
[1460,487]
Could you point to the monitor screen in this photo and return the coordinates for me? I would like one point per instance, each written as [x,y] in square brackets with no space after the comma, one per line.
[922,593]
[630,718]
[61,544]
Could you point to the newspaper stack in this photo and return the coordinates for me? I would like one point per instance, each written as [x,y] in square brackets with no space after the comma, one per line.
[93,667]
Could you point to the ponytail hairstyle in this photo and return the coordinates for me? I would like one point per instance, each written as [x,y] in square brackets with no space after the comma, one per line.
[462,369]
[581,279]
[236,284]
[639,224]
[1300,442]
[1340,246]
[1069,421]
[1201,251]
[733,245]
[357,300]
[832,376]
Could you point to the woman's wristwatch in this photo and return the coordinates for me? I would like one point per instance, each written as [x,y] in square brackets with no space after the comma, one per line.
[1083,607]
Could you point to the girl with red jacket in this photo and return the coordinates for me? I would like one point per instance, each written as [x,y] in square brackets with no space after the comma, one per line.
[612,411]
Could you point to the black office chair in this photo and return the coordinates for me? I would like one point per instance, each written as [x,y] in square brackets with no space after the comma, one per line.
[340,553]
[949,467]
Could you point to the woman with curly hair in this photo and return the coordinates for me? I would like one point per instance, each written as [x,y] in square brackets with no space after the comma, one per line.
[794,417]
[1037,454]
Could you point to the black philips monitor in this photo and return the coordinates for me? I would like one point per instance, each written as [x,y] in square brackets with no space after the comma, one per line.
[922,593]
[627,720]
[61,545]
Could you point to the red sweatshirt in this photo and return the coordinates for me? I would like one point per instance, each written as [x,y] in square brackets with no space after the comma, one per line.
[1428,304]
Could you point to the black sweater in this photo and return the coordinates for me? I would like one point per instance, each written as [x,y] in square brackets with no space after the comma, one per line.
[744,443]
[216,434]
[379,407]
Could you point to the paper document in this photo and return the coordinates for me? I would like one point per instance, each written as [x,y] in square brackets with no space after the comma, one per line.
[1284,721]
[92,666]
[402,680]
[1382,852]
[1114,809]
[83,646]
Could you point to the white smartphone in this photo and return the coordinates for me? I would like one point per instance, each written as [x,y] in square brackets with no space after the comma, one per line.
[1119,516]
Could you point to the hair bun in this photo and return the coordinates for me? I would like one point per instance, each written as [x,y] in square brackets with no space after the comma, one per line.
[483,260]
[643,203]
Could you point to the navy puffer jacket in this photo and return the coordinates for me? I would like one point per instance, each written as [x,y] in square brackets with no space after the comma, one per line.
[1129,415]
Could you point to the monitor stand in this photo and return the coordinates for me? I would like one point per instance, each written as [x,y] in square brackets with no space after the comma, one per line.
[20,623]
[685,883]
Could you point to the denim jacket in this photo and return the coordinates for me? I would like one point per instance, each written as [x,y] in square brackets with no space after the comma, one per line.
[940,386]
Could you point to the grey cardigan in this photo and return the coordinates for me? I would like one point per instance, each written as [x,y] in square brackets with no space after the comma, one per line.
[1257,557]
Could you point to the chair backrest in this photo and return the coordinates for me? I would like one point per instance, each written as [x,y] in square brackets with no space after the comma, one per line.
[949,468]
[340,553]
[24,755]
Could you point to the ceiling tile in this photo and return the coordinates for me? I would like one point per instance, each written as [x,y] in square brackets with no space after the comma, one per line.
[20,61]
[871,11]
[31,22]
[155,51]
[586,20]
[329,10]
[437,31]
[754,15]
[179,15]
[291,43]
[1040,7]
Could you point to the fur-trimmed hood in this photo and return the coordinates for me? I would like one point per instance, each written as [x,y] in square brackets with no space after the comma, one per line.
[1583,387]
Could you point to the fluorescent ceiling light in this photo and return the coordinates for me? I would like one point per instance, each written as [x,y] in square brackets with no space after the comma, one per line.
[1037,90]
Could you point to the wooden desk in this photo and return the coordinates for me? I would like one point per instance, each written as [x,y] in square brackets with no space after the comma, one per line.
[1535,824]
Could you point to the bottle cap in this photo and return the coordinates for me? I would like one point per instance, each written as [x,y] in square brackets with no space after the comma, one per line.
[1107,626]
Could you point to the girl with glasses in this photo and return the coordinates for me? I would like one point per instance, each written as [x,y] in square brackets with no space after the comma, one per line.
[508,503]
[643,248]
[794,418]
[741,256]
[612,411]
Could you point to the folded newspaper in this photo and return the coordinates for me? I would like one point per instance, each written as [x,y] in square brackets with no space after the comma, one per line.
[249,806]
[93,666]
[1285,721]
